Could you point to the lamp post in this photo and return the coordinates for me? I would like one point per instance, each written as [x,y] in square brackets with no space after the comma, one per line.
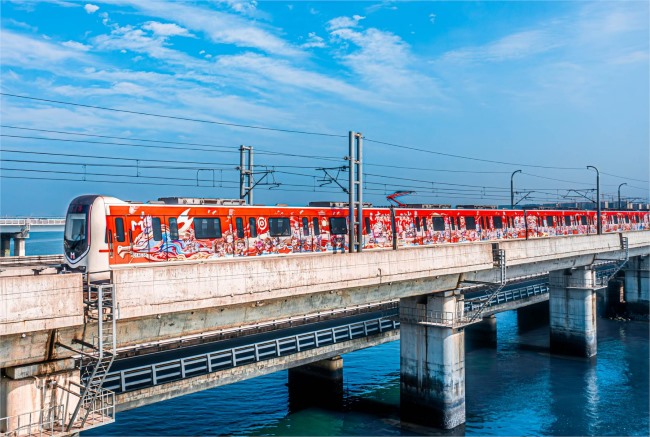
[599,226]
[619,194]
[512,189]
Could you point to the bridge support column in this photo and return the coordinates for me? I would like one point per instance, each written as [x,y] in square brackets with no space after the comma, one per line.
[43,389]
[5,245]
[19,246]
[637,284]
[432,363]
[483,333]
[319,383]
[572,303]
[532,316]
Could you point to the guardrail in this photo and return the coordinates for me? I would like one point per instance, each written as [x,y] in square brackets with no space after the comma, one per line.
[174,370]
[32,221]
[506,296]
[37,260]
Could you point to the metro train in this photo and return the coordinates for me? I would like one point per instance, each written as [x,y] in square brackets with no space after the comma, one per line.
[102,232]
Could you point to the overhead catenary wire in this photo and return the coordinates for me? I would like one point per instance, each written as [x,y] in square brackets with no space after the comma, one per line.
[418,149]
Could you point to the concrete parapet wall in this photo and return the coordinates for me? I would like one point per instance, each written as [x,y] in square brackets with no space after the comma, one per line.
[146,290]
[157,289]
[36,303]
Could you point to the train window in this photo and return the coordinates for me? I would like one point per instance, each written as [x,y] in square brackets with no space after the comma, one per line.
[615,219]
[305,226]
[438,224]
[338,226]
[417,224]
[119,230]
[567,220]
[207,228]
[627,219]
[452,223]
[156,229]
[498,222]
[173,229]
[252,224]
[583,220]
[549,221]
[424,224]
[239,224]
[316,227]
[470,223]
[367,222]
[280,227]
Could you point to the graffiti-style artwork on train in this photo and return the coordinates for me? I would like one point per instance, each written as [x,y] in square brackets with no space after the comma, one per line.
[128,233]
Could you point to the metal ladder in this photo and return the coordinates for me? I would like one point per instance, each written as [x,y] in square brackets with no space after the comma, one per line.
[499,257]
[621,262]
[98,354]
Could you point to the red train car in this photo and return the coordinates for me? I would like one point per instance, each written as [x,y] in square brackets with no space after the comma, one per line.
[103,231]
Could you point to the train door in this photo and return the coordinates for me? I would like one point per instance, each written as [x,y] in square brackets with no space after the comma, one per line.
[119,246]
[254,243]
[240,238]
[156,245]
[306,235]
[172,246]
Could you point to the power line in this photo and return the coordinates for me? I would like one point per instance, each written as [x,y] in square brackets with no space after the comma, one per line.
[68,140]
[173,117]
[451,155]
[624,177]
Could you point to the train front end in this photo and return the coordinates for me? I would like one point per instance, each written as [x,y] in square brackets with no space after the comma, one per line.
[83,238]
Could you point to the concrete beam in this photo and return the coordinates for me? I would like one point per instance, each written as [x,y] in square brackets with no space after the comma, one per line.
[39,302]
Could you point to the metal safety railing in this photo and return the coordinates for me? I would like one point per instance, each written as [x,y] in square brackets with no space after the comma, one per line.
[421,315]
[173,370]
[45,422]
[506,296]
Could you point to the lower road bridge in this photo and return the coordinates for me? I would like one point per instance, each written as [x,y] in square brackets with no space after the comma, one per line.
[48,320]
[18,229]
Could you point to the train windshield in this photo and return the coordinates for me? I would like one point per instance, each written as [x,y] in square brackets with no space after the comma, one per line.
[76,231]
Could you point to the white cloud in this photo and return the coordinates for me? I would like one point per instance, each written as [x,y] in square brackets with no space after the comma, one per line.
[90,8]
[165,29]
[219,26]
[432,18]
[515,46]
[313,41]
[344,22]
[632,57]
[20,50]
[23,25]
[76,45]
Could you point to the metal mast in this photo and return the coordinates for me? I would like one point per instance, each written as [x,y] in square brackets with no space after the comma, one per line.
[246,173]
[355,192]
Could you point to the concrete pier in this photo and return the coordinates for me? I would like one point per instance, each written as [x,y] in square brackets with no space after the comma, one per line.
[482,334]
[19,243]
[637,284]
[572,301]
[532,316]
[317,384]
[432,365]
[46,387]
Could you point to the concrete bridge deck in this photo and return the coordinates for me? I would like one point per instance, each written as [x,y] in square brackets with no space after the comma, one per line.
[164,301]
[40,313]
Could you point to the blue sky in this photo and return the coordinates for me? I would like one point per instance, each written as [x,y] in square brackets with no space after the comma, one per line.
[558,85]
